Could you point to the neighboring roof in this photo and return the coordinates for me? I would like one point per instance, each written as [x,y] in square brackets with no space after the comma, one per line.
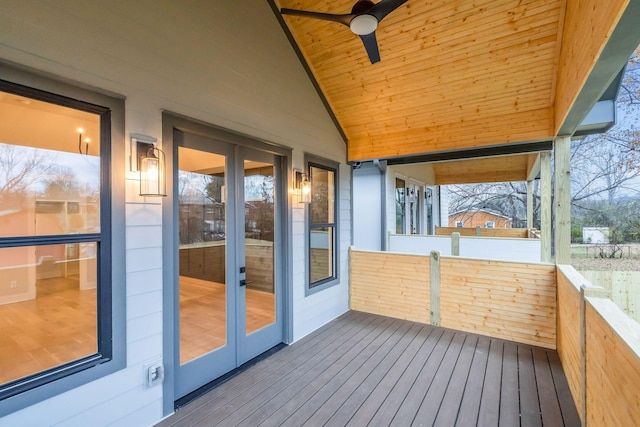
[474,211]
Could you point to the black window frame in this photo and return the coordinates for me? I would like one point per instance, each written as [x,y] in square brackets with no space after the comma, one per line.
[317,286]
[110,299]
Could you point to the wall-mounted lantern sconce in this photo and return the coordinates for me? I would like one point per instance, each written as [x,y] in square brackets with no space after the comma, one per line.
[81,140]
[150,163]
[303,187]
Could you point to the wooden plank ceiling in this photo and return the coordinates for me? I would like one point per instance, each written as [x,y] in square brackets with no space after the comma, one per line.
[453,75]
[518,167]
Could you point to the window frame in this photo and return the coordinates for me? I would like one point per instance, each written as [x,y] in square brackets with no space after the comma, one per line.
[490,224]
[334,279]
[459,224]
[110,294]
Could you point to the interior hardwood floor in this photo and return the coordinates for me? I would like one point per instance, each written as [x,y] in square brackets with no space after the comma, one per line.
[56,327]
[203,315]
[59,326]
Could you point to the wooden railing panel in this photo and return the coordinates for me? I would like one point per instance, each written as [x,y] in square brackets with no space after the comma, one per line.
[512,301]
[389,284]
[508,300]
[625,291]
[613,365]
[568,327]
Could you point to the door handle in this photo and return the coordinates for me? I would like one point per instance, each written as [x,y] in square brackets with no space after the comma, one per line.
[245,282]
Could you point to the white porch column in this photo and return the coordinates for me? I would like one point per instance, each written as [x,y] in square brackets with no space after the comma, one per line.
[562,199]
[529,205]
[545,206]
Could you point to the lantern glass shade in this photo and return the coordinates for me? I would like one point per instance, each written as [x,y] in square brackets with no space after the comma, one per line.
[153,181]
[305,189]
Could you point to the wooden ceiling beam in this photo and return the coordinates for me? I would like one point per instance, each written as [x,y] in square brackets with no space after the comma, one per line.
[476,171]
[508,128]
[598,39]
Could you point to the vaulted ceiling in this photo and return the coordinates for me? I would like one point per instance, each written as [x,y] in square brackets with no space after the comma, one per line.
[457,74]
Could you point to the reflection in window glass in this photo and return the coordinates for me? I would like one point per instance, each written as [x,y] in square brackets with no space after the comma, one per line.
[49,192]
[202,252]
[400,206]
[48,308]
[321,243]
[322,225]
[50,185]
[322,196]
[259,221]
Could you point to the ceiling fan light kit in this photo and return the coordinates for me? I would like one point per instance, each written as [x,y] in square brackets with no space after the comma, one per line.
[363,25]
[363,20]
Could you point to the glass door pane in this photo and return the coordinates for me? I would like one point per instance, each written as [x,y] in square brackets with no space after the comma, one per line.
[400,206]
[202,252]
[259,221]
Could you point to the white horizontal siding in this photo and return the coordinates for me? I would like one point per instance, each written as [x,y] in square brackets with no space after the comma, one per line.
[312,311]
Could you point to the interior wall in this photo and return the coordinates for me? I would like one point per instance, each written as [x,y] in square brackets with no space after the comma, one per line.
[224,63]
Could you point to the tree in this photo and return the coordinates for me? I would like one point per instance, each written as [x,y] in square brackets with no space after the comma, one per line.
[61,183]
[506,198]
[20,169]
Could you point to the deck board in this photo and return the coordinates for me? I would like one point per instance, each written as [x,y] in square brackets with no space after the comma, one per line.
[397,395]
[509,393]
[470,405]
[242,405]
[386,388]
[432,402]
[448,412]
[529,400]
[549,405]
[376,349]
[409,407]
[489,414]
[372,379]
[568,408]
[364,369]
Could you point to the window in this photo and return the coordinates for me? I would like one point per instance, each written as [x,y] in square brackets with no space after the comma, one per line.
[323,231]
[56,299]
[459,224]
[490,224]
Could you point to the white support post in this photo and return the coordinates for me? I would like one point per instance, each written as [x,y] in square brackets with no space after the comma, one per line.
[562,199]
[545,206]
[529,205]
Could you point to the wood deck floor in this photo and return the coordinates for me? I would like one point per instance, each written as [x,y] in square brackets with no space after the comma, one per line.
[364,369]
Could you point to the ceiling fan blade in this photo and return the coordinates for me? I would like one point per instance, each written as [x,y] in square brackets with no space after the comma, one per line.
[342,19]
[371,45]
[385,7]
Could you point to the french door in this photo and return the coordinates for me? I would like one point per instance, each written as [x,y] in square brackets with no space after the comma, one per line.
[229,271]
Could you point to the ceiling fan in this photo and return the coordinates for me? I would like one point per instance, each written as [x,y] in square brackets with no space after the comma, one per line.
[363,20]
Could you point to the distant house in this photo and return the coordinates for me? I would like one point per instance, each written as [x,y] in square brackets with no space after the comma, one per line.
[480,217]
[595,234]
